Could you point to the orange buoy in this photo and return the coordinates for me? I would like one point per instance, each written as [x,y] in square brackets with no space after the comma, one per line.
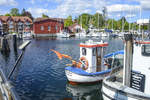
[83,63]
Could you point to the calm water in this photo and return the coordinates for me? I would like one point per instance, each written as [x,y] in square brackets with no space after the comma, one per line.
[41,76]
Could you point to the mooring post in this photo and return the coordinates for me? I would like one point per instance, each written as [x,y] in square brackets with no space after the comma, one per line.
[128,57]
[14,42]
[4,45]
[22,47]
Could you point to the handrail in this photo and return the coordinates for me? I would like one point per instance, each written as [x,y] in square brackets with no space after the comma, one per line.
[8,88]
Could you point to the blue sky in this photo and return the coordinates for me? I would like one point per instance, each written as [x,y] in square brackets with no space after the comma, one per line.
[63,8]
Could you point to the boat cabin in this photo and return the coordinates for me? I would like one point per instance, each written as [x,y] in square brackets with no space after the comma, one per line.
[93,52]
[140,79]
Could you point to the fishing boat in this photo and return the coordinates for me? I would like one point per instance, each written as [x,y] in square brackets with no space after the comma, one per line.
[93,66]
[131,82]
[90,67]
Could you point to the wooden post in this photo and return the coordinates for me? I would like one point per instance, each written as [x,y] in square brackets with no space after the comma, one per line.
[4,45]
[128,57]
[15,42]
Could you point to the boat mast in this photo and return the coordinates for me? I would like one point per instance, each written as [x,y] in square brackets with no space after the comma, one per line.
[130,22]
[81,21]
[112,23]
[140,19]
[128,57]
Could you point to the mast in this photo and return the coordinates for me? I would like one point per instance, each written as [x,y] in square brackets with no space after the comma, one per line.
[140,19]
[112,23]
[130,20]
[81,21]
[98,21]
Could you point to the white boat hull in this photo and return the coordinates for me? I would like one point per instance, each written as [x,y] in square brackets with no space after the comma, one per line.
[73,77]
[114,91]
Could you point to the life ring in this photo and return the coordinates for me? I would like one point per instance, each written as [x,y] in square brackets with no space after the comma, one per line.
[83,63]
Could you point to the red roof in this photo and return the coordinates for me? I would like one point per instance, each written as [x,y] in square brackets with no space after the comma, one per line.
[73,25]
[23,19]
[16,18]
[43,19]
[4,18]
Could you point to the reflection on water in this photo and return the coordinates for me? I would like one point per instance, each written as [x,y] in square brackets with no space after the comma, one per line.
[41,76]
[85,92]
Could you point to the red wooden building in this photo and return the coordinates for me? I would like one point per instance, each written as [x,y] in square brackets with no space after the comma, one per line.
[47,26]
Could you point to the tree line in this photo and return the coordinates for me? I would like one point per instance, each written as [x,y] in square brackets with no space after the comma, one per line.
[15,12]
[99,21]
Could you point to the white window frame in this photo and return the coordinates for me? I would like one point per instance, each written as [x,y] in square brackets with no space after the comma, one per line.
[56,27]
[42,27]
[49,28]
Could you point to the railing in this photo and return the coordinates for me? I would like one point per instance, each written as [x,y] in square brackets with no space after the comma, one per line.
[6,88]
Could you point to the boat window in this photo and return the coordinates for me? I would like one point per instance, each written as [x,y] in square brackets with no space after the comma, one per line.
[84,51]
[146,50]
[94,51]
[99,51]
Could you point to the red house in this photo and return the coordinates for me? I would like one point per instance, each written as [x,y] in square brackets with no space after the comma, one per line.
[47,26]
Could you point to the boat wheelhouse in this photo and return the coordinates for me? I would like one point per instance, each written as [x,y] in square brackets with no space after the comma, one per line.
[131,83]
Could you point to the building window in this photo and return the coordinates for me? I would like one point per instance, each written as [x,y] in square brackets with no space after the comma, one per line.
[42,28]
[56,27]
[11,24]
[27,23]
[49,28]
[0,23]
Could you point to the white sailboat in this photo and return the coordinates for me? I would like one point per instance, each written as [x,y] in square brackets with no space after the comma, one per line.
[63,34]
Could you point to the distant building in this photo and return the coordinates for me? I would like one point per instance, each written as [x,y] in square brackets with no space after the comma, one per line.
[47,26]
[143,21]
[75,28]
[18,24]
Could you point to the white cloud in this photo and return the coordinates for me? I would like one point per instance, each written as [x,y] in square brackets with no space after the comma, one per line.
[8,3]
[2,12]
[130,15]
[70,7]
[123,8]
[145,4]
[99,11]
[32,1]
[37,11]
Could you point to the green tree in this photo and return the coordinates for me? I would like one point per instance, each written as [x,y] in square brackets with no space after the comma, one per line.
[26,13]
[68,21]
[45,16]
[23,12]
[98,20]
[84,20]
[7,14]
[14,12]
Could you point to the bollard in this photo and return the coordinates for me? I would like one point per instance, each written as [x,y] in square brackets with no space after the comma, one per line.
[4,45]
[128,56]
[15,42]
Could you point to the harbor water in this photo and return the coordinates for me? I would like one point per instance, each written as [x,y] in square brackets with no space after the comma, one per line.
[40,74]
